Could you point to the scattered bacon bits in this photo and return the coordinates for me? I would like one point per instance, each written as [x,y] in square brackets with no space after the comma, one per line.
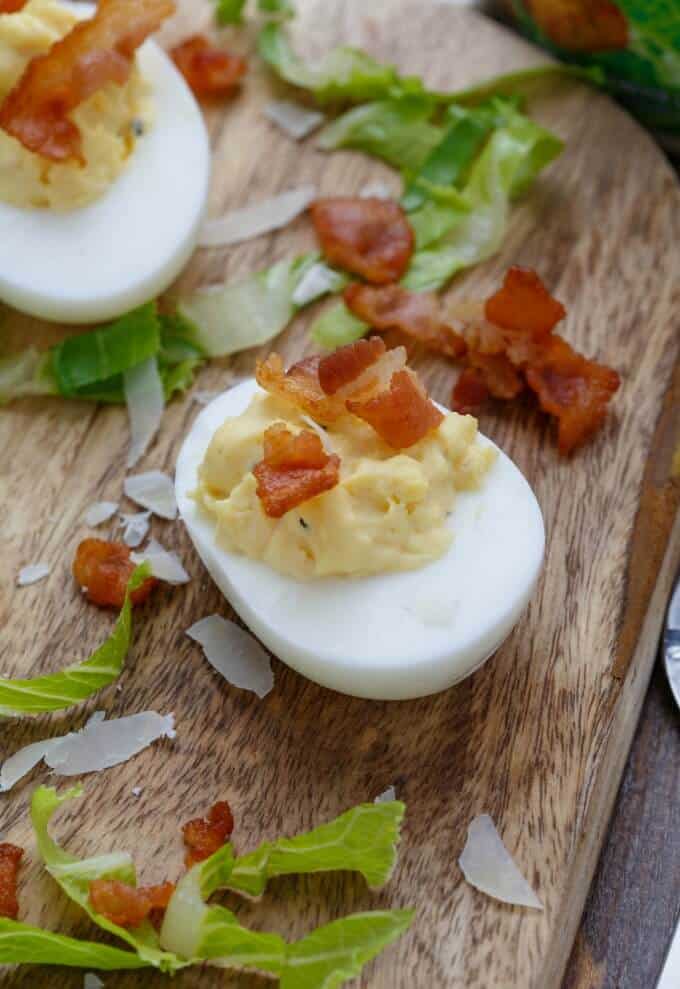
[295,468]
[345,365]
[582,25]
[12,6]
[209,71]
[574,389]
[402,415]
[415,314]
[103,570]
[128,906]
[204,836]
[95,52]
[10,860]
[300,386]
[524,305]
[469,392]
[370,237]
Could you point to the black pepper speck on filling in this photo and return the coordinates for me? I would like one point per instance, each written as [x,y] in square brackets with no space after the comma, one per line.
[303,523]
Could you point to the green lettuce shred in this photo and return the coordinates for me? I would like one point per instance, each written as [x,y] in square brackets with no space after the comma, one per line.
[58,691]
[229,11]
[23,944]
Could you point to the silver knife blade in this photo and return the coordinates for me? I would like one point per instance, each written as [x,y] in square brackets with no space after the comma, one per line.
[671,643]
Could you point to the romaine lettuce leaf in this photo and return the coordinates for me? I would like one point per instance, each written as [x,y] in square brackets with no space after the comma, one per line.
[363,840]
[57,691]
[525,83]
[248,313]
[276,8]
[21,943]
[27,373]
[75,875]
[229,11]
[332,954]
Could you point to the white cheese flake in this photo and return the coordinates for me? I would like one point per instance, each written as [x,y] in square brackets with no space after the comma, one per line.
[317,281]
[257,218]
[234,653]
[375,190]
[33,573]
[164,565]
[293,119]
[488,866]
[387,796]
[100,512]
[153,490]
[145,403]
[136,791]
[135,528]
[92,981]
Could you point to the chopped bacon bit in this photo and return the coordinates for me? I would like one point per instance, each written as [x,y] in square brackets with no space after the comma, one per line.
[209,71]
[416,314]
[12,6]
[128,906]
[295,468]
[103,570]
[204,836]
[402,415]
[95,52]
[300,386]
[582,25]
[498,373]
[574,389]
[370,237]
[347,364]
[10,860]
[524,305]
[469,392]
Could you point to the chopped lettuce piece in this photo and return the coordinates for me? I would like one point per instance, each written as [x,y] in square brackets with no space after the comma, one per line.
[75,875]
[248,313]
[344,75]
[399,131]
[21,943]
[276,8]
[57,691]
[332,954]
[525,83]
[27,373]
[337,326]
[363,840]
[229,11]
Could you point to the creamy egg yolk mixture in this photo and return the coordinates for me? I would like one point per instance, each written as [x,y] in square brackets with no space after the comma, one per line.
[388,512]
[108,120]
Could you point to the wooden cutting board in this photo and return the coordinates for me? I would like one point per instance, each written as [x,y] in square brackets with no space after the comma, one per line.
[538,737]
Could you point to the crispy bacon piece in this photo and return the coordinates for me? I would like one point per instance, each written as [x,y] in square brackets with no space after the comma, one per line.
[300,386]
[128,906]
[581,25]
[402,415]
[416,314]
[10,860]
[346,364]
[370,237]
[469,392]
[94,53]
[498,373]
[574,389]
[204,836]
[103,570]
[12,6]
[295,468]
[524,305]
[210,71]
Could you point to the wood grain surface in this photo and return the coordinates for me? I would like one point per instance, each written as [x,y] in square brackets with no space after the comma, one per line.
[538,737]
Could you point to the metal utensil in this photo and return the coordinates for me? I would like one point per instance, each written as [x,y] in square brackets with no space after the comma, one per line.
[670,976]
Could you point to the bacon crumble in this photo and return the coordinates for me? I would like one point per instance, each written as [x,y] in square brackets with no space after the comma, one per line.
[209,71]
[103,570]
[10,861]
[369,237]
[294,469]
[95,52]
[402,415]
[346,364]
[12,6]
[128,906]
[205,836]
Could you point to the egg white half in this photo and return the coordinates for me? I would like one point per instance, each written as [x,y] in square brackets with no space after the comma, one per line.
[392,636]
[94,263]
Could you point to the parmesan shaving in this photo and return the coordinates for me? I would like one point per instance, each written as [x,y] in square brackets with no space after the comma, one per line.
[145,403]
[295,120]
[154,491]
[164,565]
[100,512]
[135,528]
[387,796]
[376,190]
[488,866]
[326,442]
[234,653]
[32,574]
[92,981]
[315,282]
[256,219]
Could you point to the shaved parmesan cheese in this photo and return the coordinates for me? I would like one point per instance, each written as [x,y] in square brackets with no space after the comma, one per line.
[315,282]
[100,745]
[92,982]
[488,866]
[295,120]
[234,653]
[136,791]
[164,565]
[145,403]
[154,491]
[387,796]
[100,512]
[135,528]
[376,190]
[256,219]
[326,441]
[32,574]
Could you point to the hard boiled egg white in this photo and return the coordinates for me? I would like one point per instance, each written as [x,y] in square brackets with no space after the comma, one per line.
[393,636]
[94,263]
